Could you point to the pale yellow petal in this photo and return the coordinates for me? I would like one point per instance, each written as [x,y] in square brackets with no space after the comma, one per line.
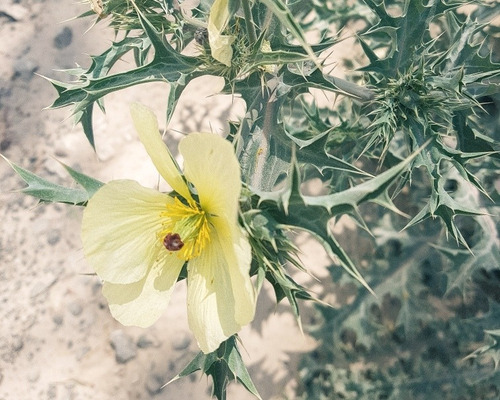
[146,124]
[142,303]
[211,166]
[219,15]
[221,297]
[238,257]
[119,230]
[220,45]
[220,48]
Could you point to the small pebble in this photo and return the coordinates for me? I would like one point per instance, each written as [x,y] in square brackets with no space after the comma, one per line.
[75,308]
[63,38]
[154,383]
[181,342]
[17,343]
[96,287]
[58,319]
[53,236]
[52,392]
[123,345]
[25,69]
[5,144]
[60,151]
[146,341]
[14,12]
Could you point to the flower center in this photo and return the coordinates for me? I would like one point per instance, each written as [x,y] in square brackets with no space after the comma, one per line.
[185,229]
[173,242]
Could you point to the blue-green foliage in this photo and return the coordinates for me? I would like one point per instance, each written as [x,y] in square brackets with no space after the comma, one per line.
[409,149]
[435,299]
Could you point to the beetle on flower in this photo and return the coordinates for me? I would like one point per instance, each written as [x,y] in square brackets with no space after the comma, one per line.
[138,239]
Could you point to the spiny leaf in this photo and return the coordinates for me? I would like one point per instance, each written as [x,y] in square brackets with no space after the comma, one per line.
[442,205]
[396,278]
[88,183]
[371,190]
[409,30]
[492,349]
[483,255]
[50,192]
[167,65]
[272,251]
[282,12]
[223,365]
[312,214]
[266,140]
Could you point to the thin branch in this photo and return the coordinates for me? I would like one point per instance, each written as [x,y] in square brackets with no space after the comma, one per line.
[252,36]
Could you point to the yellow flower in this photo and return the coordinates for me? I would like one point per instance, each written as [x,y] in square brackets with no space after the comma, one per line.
[138,239]
[220,45]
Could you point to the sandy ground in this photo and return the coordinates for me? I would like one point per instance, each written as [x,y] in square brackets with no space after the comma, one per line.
[56,333]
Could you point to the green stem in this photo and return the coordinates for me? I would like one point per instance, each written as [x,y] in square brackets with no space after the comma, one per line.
[257,180]
[352,90]
[249,21]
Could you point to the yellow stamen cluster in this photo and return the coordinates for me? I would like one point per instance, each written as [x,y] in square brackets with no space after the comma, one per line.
[191,223]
